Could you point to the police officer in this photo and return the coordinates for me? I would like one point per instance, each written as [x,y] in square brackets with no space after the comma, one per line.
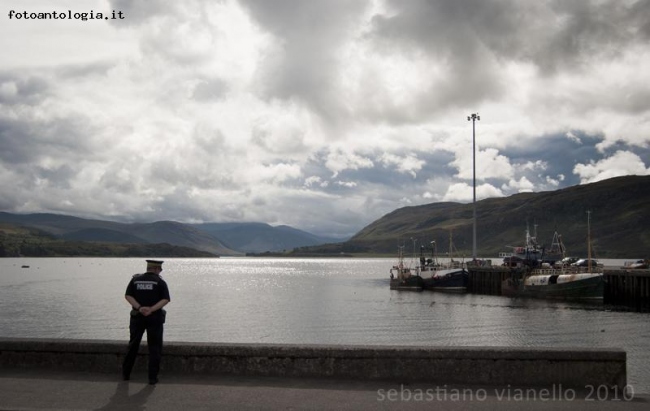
[148,294]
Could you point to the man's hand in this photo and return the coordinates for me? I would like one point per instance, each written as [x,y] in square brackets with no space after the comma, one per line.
[146,311]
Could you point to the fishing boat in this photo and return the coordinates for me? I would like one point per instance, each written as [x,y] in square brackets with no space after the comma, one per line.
[531,250]
[403,277]
[557,252]
[539,280]
[450,277]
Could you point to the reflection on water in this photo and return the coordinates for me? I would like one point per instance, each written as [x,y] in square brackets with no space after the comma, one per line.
[301,301]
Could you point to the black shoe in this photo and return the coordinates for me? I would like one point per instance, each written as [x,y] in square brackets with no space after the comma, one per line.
[126,377]
[153,381]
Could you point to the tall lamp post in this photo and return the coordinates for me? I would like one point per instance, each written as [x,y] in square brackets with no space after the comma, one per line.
[473,117]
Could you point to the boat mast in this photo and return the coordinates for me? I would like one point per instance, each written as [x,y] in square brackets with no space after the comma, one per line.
[434,249]
[473,117]
[557,246]
[451,251]
[589,241]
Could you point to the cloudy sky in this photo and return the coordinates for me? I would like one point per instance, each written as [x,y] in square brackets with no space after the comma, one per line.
[323,115]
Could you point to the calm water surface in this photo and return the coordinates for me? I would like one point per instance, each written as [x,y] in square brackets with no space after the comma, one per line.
[311,301]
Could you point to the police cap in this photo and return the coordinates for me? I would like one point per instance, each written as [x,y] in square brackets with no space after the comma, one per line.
[154,263]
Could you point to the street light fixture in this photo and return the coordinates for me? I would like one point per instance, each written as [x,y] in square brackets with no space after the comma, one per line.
[473,118]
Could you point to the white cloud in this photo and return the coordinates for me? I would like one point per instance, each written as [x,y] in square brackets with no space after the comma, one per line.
[463,193]
[489,164]
[347,184]
[270,111]
[622,163]
[409,164]
[339,159]
[523,185]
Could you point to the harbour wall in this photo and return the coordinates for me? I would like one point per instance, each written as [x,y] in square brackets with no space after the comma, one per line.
[630,288]
[572,367]
[624,287]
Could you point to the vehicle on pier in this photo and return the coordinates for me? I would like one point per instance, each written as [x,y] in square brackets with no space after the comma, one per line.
[638,265]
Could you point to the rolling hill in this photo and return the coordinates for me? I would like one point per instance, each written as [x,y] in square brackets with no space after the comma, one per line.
[226,239]
[261,237]
[620,222]
[99,231]
[620,218]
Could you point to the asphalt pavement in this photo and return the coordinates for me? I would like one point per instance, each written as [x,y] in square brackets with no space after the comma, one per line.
[37,389]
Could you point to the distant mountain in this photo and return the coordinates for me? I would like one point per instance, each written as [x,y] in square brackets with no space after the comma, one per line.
[227,239]
[261,237]
[79,229]
[620,218]
[102,234]
[17,240]
[620,222]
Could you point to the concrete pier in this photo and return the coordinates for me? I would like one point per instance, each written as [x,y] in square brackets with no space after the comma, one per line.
[570,367]
[628,287]
[623,287]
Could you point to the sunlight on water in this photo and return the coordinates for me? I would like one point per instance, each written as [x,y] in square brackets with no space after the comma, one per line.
[300,301]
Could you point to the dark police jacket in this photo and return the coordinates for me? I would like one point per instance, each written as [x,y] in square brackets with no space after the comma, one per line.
[148,289]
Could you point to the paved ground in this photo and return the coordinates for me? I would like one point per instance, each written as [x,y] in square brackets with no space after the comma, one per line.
[51,390]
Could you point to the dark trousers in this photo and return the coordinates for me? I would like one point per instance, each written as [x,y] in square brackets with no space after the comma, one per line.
[153,325]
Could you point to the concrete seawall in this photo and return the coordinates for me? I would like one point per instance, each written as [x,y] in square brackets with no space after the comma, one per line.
[571,367]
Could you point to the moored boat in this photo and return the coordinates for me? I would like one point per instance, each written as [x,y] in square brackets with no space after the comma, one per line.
[409,282]
[531,250]
[403,277]
[536,279]
[450,277]
[449,280]
[556,284]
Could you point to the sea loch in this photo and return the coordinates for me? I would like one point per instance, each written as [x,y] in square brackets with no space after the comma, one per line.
[301,301]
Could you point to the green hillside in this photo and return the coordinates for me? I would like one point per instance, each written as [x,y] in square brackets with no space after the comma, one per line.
[620,218]
[620,222]
[17,241]
[119,235]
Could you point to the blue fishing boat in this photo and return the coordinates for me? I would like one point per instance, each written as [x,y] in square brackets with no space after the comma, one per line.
[450,277]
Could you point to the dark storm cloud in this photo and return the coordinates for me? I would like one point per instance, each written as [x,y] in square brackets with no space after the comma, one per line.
[587,29]
[474,39]
[26,141]
[27,134]
[22,89]
[286,111]
[551,34]
[19,129]
[309,35]
[57,177]
[386,178]
[558,152]
[452,34]
[15,140]
[560,155]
